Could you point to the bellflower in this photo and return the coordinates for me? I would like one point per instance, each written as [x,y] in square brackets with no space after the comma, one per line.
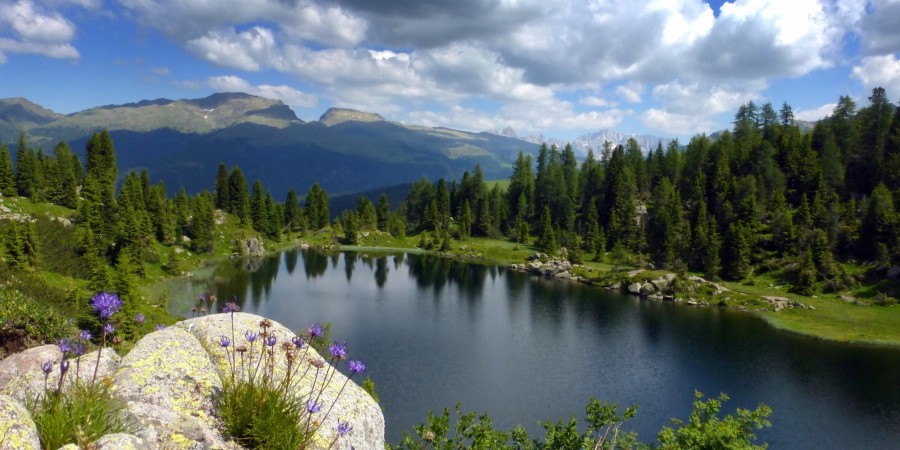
[84,335]
[47,367]
[298,342]
[160,327]
[231,307]
[109,328]
[251,336]
[313,407]
[343,428]
[106,304]
[338,350]
[78,348]
[271,340]
[315,330]
[63,367]
[357,366]
[139,318]
[224,341]
[65,345]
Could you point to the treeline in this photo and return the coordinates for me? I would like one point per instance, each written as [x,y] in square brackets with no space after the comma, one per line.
[762,196]
[117,230]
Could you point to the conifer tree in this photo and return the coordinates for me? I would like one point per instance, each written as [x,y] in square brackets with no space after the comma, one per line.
[292,210]
[238,196]
[383,212]
[737,252]
[258,214]
[366,214]
[711,261]
[806,276]
[7,177]
[465,222]
[547,241]
[203,223]
[221,189]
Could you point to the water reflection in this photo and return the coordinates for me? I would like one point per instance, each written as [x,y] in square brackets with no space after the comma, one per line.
[437,331]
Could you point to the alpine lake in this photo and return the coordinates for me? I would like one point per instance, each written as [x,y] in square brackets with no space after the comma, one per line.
[435,332]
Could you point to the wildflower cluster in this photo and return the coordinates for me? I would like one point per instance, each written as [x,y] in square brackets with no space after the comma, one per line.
[258,384]
[84,411]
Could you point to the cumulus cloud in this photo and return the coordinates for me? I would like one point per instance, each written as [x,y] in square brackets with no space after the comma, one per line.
[815,114]
[675,123]
[880,71]
[287,94]
[878,29]
[595,101]
[33,29]
[630,92]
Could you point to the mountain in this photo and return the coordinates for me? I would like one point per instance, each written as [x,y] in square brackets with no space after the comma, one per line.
[181,142]
[594,141]
[19,113]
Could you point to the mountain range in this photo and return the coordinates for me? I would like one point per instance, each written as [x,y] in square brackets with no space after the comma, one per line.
[183,141]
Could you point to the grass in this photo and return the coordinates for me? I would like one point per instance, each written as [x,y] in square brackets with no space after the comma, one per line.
[81,415]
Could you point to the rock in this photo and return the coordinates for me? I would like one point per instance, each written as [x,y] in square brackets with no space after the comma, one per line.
[5,210]
[635,272]
[185,240]
[647,289]
[650,266]
[121,441]
[894,273]
[17,430]
[252,246]
[169,382]
[778,303]
[634,288]
[354,404]
[29,379]
[848,298]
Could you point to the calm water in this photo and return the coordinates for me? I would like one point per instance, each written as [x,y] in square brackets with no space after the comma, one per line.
[435,332]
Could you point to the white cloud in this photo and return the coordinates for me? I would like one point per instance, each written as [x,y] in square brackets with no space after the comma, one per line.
[675,123]
[814,114]
[596,101]
[160,71]
[880,71]
[286,94]
[246,50]
[29,28]
[630,92]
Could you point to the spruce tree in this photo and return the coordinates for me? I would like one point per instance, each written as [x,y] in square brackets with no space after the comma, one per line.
[737,252]
[221,189]
[711,261]
[547,241]
[7,177]
[292,210]
[383,212]
[465,222]
[238,196]
[806,276]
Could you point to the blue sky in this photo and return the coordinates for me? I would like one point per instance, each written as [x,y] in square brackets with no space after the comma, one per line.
[561,68]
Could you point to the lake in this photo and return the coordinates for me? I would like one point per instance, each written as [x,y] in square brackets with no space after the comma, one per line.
[435,332]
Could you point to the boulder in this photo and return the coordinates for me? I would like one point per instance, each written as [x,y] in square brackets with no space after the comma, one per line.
[778,303]
[634,288]
[17,430]
[647,289]
[169,382]
[252,246]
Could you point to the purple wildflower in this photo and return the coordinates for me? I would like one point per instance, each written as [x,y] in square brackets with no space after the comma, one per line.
[65,345]
[160,326]
[315,330]
[84,335]
[343,428]
[47,367]
[78,348]
[139,318]
[106,304]
[224,341]
[298,342]
[109,328]
[338,350]
[271,340]
[251,336]
[356,366]
[313,407]
[63,367]
[231,307]
[203,297]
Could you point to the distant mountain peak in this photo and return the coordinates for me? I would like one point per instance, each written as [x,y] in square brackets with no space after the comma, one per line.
[335,116]
[594,141]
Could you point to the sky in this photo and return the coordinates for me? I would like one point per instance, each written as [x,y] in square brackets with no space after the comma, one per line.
[672,68]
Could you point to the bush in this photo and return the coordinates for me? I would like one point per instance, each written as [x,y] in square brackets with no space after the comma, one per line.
[82,414]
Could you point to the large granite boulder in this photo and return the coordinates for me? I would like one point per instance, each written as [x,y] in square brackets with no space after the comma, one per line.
[170,381]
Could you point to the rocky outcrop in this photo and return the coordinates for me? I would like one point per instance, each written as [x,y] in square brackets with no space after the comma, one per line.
[169,382]
[541,264]
[781,303]
[252,246]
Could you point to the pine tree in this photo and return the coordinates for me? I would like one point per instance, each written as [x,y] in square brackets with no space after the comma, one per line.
[366,213]
[238,196]
[292,210]
[465,223]
[383,212]
[737,251]
[806,276]
[221,189]
[7,177]
[203,223]
[711,261]
[258,214]
[547,241]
